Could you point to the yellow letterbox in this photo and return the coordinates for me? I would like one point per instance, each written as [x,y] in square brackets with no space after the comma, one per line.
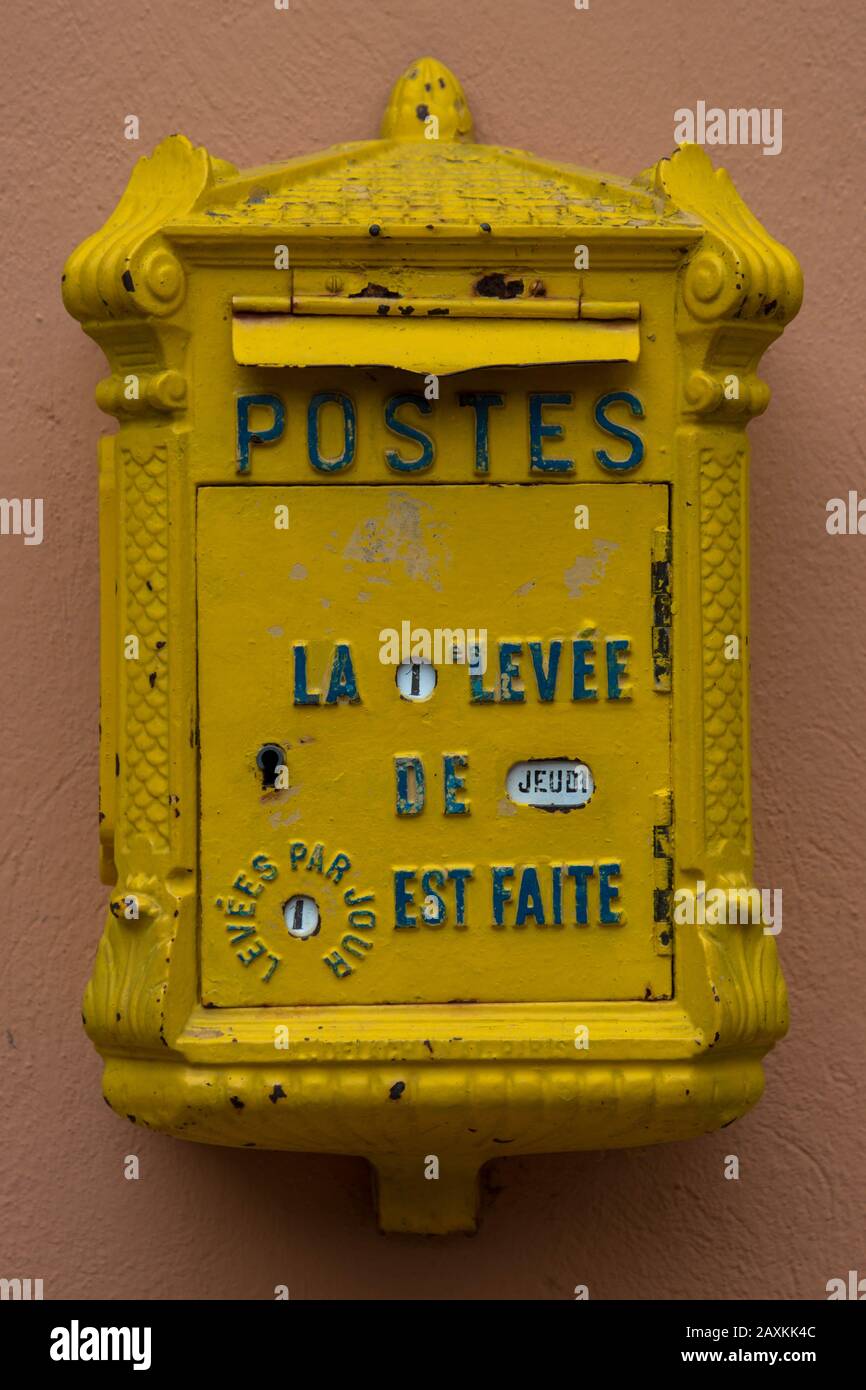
[424,651]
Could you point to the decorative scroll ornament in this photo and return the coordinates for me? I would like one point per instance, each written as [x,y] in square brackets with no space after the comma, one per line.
[127,268]
[740,271]
[125,999]
[744,974]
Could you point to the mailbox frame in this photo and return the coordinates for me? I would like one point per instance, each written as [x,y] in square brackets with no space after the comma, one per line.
[679,258]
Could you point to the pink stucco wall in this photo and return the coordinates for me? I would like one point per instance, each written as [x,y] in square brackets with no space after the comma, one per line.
[599,88]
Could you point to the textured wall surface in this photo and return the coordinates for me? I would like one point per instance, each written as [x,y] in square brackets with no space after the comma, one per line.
[599,88]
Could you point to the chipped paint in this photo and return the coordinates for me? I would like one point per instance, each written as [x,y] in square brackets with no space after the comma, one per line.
[403,537]
[588,570]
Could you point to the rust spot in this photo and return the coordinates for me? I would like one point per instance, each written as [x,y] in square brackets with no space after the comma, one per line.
[495,286]
[374,291]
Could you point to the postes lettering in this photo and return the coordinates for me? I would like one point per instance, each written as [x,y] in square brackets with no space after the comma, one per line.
[262,419]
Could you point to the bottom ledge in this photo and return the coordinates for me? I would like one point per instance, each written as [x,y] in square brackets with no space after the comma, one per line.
[438,1197]
[428,1129]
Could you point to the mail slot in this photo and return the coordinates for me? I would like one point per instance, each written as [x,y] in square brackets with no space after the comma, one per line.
[424,710]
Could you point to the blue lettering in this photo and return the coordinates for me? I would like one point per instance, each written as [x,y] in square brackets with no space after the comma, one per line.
[545,680]
[582,671]
[529,902]
[433,876]
[392,458]
[619,431]
[454,783]
[459,877]
[481,401]
[501,891]
[539,430]
[407,804]
[343,685]
[615,668]
[608,893]
[580,873]
[343,460]
[303,696]
[246,436]
[508,673]
[403,898]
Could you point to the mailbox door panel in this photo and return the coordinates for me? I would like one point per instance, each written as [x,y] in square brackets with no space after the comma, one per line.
[382,820]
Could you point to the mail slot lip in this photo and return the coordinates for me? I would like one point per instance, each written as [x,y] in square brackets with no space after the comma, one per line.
[426,345]
[397,306]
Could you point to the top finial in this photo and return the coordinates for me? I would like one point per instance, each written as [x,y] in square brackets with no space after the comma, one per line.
[427,89]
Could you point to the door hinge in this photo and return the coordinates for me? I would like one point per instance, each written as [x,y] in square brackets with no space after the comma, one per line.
[663,873]
[661,605]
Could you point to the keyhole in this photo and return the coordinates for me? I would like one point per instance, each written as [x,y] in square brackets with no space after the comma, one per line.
[269,759]
[301,916]
[416,680]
